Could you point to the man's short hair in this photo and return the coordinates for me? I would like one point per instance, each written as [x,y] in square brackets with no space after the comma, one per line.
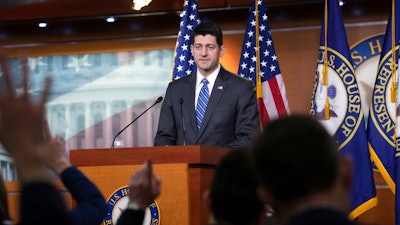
[295,156]
[208,27]
[233,190]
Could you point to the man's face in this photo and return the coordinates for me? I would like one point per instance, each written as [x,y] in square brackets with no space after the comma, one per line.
[206,53]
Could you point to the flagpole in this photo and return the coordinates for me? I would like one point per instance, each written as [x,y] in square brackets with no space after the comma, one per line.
[325,69]
[394,88]
[258,77]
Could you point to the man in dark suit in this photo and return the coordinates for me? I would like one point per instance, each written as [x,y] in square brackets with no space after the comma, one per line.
[226,115]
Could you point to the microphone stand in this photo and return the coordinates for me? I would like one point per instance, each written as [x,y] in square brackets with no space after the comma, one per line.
[159,99]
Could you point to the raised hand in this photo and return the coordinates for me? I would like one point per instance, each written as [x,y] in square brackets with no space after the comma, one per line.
[144,186]
[55,155]
[21,123]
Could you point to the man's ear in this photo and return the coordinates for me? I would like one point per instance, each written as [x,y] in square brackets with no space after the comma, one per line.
[222,50]
[207,199]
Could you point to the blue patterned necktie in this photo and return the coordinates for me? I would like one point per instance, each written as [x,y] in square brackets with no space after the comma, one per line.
[202,102]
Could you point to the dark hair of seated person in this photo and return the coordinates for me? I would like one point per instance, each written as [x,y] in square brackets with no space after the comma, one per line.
[233,190]
[295,157]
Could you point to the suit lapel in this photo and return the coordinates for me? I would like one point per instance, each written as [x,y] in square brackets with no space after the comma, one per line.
[189,110]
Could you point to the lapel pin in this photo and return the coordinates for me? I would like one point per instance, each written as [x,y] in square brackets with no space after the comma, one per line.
[220,87]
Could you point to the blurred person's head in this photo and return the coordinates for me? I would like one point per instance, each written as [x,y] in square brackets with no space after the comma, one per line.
[233,192]
[299,165]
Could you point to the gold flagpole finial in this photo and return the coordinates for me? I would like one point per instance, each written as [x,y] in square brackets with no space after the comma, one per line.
[327,112]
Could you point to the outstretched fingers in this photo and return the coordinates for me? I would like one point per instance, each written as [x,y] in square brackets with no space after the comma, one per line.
[46,130]
[21,111]
[153,182]
[24,64]
[149,171]
[46,92]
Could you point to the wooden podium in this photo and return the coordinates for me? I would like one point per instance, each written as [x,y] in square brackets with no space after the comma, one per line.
[185,173]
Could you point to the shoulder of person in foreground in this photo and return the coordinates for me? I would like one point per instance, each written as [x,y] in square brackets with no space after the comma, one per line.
[321,215]
[91,206]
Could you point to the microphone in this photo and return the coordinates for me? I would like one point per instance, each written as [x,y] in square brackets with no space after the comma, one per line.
[159,99]
[183,121]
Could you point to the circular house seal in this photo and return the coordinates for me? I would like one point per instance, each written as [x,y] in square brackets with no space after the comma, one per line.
[118,202]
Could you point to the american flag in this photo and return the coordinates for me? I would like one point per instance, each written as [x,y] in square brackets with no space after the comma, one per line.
[184,62]
[262,66]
